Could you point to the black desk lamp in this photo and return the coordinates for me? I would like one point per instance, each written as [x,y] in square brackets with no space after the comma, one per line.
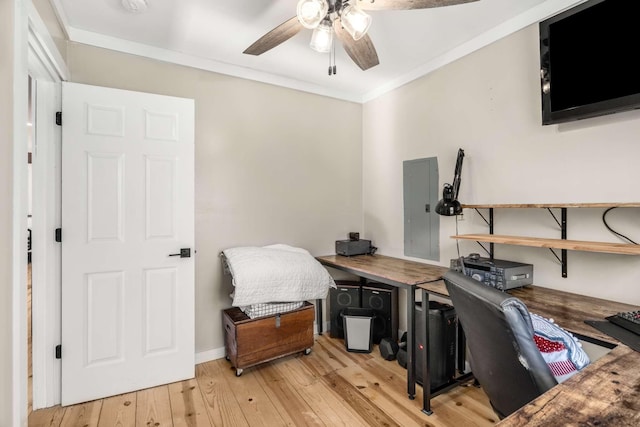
[449,204]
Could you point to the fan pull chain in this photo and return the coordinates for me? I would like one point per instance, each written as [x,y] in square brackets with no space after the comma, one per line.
[333,49]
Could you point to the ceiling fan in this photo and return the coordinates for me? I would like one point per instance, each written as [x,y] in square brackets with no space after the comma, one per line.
[344,18]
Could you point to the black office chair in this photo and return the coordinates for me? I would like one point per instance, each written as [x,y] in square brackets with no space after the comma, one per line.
[504,357]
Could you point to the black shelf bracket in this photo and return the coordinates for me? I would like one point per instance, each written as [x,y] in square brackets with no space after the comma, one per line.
[556,255]
[562,223]
[490,223]
[485,249]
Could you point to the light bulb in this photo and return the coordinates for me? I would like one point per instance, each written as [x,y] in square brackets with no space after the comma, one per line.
[309,9]
[322,37]
[355,21]
[311,12]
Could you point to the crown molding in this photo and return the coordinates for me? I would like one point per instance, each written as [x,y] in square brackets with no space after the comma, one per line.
[531,16]
[179,58]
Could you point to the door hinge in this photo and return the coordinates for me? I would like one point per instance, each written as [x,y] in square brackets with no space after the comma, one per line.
[59,118]
[59,351]
[59,235]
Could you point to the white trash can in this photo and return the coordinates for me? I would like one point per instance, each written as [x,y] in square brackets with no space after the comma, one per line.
[358,329]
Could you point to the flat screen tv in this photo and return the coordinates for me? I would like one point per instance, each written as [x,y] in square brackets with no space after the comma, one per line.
[589,64]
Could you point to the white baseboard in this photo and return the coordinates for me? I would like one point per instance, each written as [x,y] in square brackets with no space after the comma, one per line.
[325,328]
[209,355]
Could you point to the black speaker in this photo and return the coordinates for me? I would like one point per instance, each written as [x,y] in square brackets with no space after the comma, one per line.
[384,300]
[347,295]
[443,324]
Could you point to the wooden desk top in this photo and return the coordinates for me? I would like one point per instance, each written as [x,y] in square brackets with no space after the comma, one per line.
[569,311]
[437,288]
[393,271]
[606,393]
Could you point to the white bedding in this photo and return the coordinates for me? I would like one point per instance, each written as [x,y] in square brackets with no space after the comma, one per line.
[269,309]
[276,273]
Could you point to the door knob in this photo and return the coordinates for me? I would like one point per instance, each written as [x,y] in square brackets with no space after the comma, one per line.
[184,253]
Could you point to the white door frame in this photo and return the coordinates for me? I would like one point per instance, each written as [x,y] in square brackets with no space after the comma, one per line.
[47,68]
[18,349]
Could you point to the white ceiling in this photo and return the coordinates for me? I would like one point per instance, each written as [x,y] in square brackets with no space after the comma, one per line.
[211,34]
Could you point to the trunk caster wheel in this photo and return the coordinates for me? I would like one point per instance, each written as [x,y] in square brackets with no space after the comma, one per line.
[307,351]
[239,372]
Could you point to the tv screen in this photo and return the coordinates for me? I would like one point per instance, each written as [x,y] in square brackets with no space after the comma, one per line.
[589,60]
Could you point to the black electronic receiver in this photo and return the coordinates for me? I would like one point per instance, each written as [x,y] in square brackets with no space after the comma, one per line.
[630,320]
[355,247]
[497,273]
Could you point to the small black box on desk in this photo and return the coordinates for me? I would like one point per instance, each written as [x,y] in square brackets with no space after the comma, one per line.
[354,247]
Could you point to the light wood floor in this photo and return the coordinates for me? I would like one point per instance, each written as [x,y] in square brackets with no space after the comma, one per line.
[329,387]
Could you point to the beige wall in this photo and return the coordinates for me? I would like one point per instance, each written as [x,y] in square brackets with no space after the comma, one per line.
[6,171]
[488,103]
[272,165]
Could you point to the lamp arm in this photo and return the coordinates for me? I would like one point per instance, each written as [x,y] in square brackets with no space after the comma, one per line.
[457,174]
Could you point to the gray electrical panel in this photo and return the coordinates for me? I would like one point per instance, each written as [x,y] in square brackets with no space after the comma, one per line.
[421,222]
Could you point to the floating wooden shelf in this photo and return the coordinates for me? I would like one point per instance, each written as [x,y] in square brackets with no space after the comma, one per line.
[563,244]
[574,245]
[555,205]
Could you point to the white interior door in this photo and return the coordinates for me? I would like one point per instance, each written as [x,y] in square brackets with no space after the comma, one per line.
[127,206]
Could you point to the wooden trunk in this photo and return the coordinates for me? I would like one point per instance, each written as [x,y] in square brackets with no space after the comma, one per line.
[252,341]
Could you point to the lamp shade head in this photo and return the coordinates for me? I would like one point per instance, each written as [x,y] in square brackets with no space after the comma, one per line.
[448,207]
[311,12]
[355,21]
[322,37]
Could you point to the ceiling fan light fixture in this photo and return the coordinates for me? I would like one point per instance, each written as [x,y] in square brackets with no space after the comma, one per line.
[311,12]
[322,37]
[355,21]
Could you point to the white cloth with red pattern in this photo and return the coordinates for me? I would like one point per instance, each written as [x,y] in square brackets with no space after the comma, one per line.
[560,349]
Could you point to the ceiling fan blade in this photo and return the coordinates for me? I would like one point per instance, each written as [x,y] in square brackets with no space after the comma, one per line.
[273,38]
[406,4]
[361,51]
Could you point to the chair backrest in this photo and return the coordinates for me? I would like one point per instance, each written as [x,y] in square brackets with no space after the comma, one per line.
[503,354]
